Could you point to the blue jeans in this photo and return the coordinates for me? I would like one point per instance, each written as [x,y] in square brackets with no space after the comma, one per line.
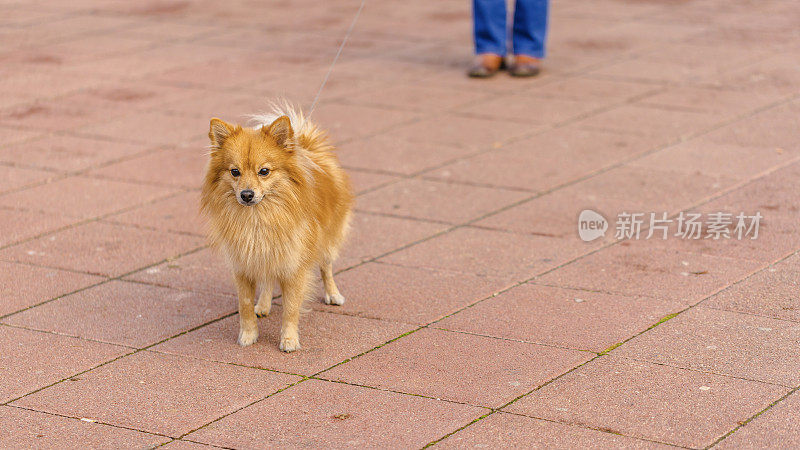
[529,31]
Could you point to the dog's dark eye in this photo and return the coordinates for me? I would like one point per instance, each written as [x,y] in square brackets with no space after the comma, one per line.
[235,172]
[264,171]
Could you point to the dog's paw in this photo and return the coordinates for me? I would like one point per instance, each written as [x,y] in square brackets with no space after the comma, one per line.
[335,299]
[289,343]
[247,337]
[262,308]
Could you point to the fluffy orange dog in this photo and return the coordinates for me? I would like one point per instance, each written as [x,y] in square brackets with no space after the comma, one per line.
[278,205]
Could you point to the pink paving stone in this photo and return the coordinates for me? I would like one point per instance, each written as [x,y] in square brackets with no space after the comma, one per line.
[26,359]
[169,30]
[187,168]
[88,48]
[435,200]
[416,98]
[373,235]
[18,225]
[776,240]
[71,26]
[101,248]
[17,178]
[22,286]
[405,294]
[201,271]
[771,292]
[124,313]
[583,88]
[676,63]
[14,100]
[445,365]
[702,156]
[299,82]
[386,70]
[155,128]
[724,342]
[321,414]
[358,45]
[776,75]
[725,102]
[227,106]
[531,109]
[68,153]
[83,197]
[645,186]
[774,198]
[442,54]
[776,428]
[546,160]
[365,181]
[213,75]
[19,16]
[33,85]
[489,253]
[124,97]
[453,77]
[157,393]
[326,339]
[657,402]
[661,124]
[501,430]
[556,214]
[564,317]
[386,154]
[774,195]
[160,58]
[343,122]
[664,33]
[645,269]
[179,214]
[775,128]
[461,131]
[187,445]
[12,135]
[32,429]
[55,115]
[627,188]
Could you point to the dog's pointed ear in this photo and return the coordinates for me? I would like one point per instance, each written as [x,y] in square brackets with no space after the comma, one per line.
[219,131]
[280,130]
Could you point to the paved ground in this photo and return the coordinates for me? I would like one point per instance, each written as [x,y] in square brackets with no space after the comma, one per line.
[475,315]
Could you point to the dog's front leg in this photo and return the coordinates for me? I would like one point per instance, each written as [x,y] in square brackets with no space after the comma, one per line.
[294,293]
[248,325]
[332,295]
[265,300]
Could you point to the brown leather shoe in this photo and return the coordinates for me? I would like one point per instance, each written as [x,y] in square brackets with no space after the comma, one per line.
[525,66]
[485,65]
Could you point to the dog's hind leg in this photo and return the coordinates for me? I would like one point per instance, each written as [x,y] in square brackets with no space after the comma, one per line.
[248,325]
[332,295]
[294,290]
[264,300]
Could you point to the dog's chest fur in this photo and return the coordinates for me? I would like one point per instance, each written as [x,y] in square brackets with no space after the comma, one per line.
[262,248]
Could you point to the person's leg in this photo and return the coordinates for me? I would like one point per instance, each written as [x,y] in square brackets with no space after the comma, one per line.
[491,37]
[490,31]
[530,28]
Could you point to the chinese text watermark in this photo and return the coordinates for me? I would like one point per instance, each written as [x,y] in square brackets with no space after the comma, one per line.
[716,225]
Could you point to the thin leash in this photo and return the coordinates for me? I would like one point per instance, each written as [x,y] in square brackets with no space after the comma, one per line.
[336,58]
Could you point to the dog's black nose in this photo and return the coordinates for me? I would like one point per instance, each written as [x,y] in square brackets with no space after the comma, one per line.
[247,195]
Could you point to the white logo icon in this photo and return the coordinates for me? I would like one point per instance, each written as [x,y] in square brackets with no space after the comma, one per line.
[591,225]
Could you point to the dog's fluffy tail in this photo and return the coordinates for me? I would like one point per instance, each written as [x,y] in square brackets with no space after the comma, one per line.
[306,133]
